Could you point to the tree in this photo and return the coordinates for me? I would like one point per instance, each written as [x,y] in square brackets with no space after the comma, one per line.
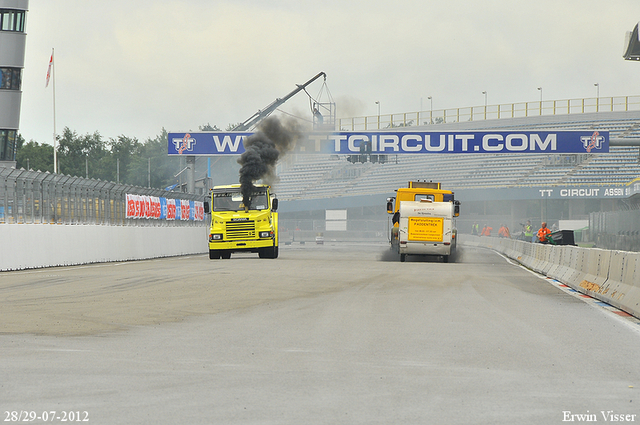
[78,153]
[35,156]
[82,155]
[231,126]
[123,152]
[163,167]
[208,127]
[19,142]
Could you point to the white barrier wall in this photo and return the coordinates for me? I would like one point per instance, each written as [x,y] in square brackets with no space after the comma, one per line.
[610,276]
[26,246]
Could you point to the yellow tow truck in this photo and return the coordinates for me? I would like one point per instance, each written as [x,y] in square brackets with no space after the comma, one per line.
[423,220]
[239,228]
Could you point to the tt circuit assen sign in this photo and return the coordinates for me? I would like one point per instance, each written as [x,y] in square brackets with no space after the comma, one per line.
[403,142]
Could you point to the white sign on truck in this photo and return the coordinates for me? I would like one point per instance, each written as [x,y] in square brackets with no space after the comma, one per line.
[426,228]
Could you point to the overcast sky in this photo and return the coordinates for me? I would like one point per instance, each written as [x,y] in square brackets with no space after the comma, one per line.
[133,67]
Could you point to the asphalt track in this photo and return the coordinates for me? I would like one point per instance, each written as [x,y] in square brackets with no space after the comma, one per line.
[331,334]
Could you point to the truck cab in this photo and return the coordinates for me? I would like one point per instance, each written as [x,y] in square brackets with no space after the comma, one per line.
[236,227]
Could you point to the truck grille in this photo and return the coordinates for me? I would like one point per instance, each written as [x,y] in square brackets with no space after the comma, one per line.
[241,230]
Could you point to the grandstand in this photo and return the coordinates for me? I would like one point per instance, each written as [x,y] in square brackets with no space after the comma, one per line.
[330,176]
[493,188]
[511,184]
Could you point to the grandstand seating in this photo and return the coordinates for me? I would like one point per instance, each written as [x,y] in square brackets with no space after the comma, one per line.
[325,176]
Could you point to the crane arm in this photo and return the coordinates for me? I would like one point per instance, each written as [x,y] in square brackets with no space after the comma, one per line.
[263,113]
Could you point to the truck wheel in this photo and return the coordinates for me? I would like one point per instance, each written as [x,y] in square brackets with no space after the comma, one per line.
[226,255]
[214,254]
[445,258]
[270,252]
[403,257]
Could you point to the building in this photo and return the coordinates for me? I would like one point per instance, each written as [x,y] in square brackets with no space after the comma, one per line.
[12,52]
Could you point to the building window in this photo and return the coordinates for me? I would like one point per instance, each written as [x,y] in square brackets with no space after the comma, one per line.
[12,20]
[8,145]
[10,78]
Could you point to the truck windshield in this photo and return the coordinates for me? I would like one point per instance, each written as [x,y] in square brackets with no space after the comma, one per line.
[421,197]
[232,201]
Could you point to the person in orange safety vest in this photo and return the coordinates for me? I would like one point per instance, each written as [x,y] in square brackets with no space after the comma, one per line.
[543,232]
[504,232]
[486,230]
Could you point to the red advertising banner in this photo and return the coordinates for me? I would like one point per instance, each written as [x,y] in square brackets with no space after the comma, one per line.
[151,207]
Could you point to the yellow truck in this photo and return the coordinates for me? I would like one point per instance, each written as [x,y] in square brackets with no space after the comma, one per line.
[423,220]
[236,227]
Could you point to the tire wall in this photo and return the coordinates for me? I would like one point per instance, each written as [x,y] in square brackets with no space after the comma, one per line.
[27,246]
[610,276]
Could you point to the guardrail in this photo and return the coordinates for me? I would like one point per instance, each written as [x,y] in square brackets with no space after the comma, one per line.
[34,197]
[610,276]
[487,112]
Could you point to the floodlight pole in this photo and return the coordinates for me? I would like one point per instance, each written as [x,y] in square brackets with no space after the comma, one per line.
[485,104]
[540,88]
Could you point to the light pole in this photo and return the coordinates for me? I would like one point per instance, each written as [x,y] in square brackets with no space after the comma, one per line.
[378,103]
[485,104]
[597,96]
[430,109]
[540,88]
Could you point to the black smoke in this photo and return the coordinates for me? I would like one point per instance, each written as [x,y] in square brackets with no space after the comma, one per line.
[272,140]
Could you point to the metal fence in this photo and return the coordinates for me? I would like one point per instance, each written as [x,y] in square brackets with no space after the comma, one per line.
[35,197]
[616,229]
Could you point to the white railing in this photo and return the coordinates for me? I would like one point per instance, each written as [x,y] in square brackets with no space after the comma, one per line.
[488,112]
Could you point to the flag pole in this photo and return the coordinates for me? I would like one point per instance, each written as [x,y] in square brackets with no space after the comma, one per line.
[55,150]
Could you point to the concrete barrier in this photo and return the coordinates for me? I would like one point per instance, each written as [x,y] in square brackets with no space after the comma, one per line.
[618,267]
[539,256]
[27,246]
[610,276]
[576,271]
[526,255]
[511,248]
[560,267]
[597,269]
[550,255]
[621,289]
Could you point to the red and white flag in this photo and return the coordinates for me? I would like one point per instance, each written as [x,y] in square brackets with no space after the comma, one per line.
[49,70]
